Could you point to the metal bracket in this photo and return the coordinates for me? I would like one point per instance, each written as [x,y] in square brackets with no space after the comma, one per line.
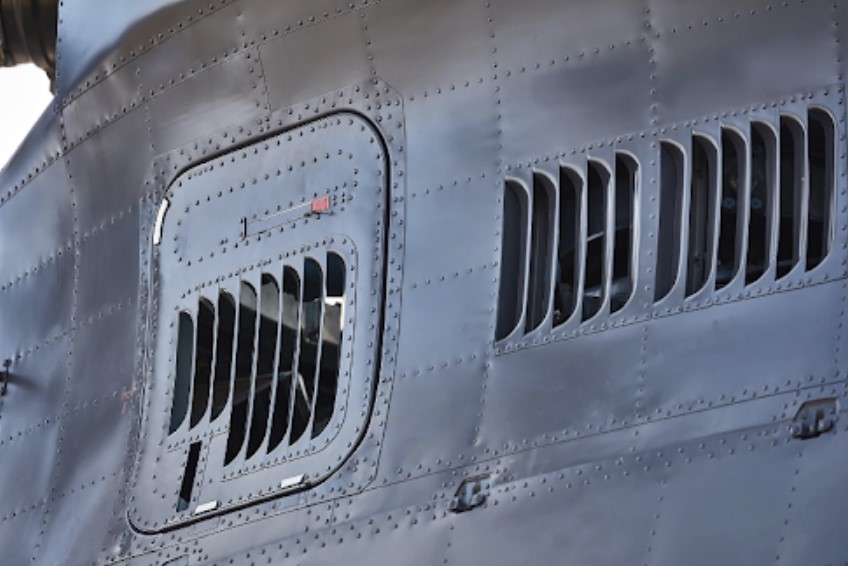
[472,493]
[814,418]
[4,376]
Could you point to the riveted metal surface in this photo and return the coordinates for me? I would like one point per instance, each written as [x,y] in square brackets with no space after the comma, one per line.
[762,65]
[40,217]
[444,323]
[29,318]
[105,419]
[454,33]
[449,388]
[655,431]
[592,390]
[21,461]
[388,538]
[815,492]
[105,103]
[36,380]
[100,287]
[123,173]
[747,474]
[193,25]
[282,60]
[555,451]
[690,376]
[98,30]
[578,92]
[87,499]
[513,517]
[464,145]
[19,534]
[596,32]
[112,372]
[184,114]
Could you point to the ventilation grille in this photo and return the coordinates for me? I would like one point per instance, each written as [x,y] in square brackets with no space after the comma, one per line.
[577,263]
[746,207]
[751,206]
[263,361]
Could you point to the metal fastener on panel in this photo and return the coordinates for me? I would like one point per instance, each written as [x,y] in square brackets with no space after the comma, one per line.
[472,493]
[4,376]
[814,418]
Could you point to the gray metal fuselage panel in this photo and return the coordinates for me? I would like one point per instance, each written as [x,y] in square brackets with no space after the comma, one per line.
[647,427]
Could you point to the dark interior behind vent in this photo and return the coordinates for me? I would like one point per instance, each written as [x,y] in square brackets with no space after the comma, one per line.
[184,363]
[243,370]
[671,209]
[702,191]
[791,183]
[269,322]
[733,181]
[597,188]
[821,156]
[567,266]
[626,175]
[763,186]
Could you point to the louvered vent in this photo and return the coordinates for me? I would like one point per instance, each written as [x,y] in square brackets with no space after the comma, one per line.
[267,273]
[741,208]
[586,272]
[758,207]
[267,359]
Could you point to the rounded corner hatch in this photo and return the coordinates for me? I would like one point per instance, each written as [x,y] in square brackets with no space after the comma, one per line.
[267,294]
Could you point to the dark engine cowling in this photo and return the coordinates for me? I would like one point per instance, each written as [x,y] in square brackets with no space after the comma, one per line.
[28,33]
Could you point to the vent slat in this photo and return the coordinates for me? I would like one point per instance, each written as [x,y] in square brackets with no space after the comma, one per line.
[224,345]
[568,251]
[244,366]
[310,328]
[183,370]
[321,310]
[289,339]
[202,360]
[269,312]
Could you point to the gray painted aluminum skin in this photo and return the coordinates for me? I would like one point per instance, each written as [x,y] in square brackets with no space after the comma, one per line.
[548,281]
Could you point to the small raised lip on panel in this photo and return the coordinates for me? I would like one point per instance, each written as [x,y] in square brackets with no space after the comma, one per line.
[292,482]
[206,507]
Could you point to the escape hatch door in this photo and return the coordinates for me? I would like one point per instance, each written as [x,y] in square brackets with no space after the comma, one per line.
[267,297]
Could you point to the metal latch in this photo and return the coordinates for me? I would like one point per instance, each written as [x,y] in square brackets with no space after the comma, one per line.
[4,376]
[814,418]
[472,493]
